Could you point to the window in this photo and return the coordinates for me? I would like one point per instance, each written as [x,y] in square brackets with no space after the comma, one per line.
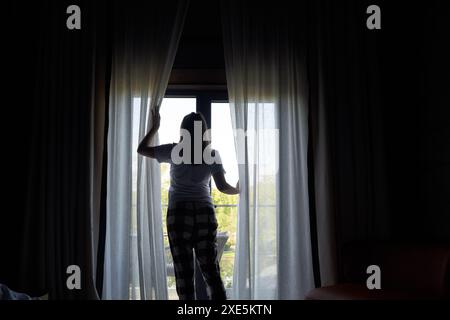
[216,111]
[222,139]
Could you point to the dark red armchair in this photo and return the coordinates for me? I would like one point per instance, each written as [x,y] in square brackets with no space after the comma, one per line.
[407,272]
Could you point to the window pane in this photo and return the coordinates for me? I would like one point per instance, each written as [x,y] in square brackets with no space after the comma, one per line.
[222,139]
[172,113]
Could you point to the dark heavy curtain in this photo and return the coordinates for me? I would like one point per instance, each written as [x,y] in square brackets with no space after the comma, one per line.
[416,76]
[347,166]
[64,88]
[379,126]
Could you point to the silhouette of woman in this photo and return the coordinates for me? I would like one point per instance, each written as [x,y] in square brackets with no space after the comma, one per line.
[191,220]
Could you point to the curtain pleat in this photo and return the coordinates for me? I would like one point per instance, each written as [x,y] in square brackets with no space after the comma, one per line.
[59,229]
[347,133]
[145,42]
[268,95]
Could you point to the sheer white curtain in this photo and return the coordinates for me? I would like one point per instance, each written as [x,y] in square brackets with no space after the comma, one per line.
[268,95]
[145,42]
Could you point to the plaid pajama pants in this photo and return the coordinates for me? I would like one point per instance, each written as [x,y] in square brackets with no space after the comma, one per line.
[192,226]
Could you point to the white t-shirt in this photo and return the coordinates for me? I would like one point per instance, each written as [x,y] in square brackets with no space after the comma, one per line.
[188,182]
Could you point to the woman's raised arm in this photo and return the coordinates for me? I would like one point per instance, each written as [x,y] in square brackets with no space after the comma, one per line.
[145,148]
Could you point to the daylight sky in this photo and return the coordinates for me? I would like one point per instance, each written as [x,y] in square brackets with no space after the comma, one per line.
[172,112]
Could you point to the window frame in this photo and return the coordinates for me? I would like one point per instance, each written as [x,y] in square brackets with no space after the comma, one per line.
[204,99]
